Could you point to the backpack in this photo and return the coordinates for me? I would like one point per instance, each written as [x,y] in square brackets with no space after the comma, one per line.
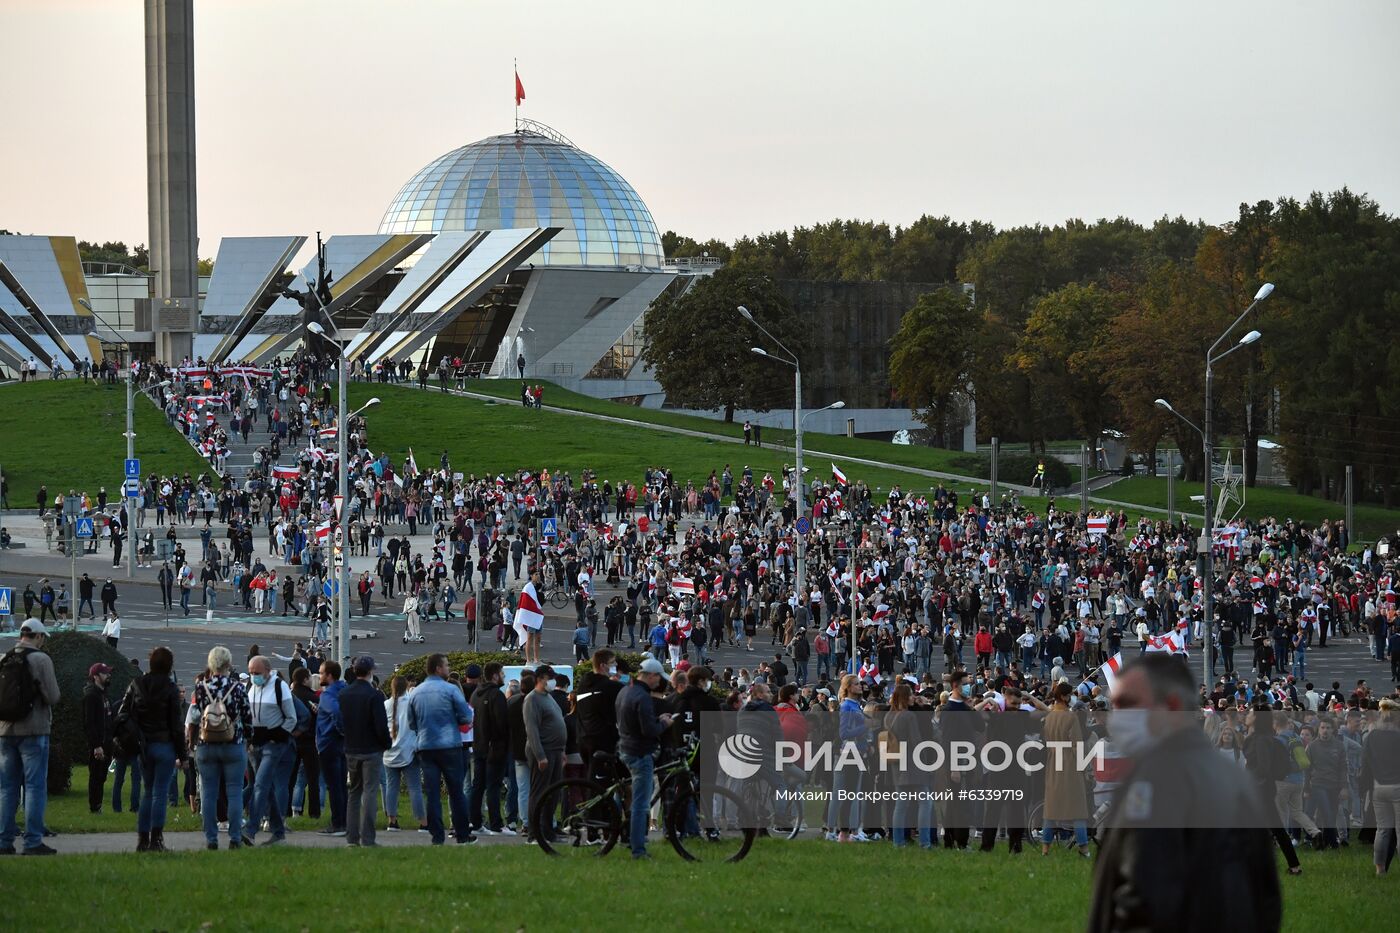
[1298,760]
[304,722]
[18,688]
[216,726]
[126,728]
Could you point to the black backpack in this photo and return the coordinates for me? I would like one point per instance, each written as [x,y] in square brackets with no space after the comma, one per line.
[18,688]
[126,728]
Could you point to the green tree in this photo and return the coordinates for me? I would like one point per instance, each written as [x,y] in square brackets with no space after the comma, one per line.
[1335,339]
[932,357]
[698,346]
[115,251]
[1061,352]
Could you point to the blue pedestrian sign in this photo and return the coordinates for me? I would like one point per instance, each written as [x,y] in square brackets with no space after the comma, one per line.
[549,527]
[7,600]
[133,468]
[803,525]
[84,528]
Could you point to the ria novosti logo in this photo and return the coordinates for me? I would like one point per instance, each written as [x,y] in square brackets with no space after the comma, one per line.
[741,756]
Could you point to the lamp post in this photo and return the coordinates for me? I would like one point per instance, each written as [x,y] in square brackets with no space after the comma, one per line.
[1206,545]
[797,419]
[340,646]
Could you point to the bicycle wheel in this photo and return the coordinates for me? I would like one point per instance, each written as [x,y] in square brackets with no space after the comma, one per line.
[586,819]
[774,815]
[558,598]
[709,824]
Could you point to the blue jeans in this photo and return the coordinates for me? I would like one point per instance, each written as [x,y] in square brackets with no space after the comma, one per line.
[412,775]
[222,762]
[823,666]
[122,766]
[801,672]
[490,772]
[521,772]
[1300,666]
[923,816]
[272,772]
[333,769]
[643,768]
[157,767]
[1081,832]
[24,765]
[844,779]
[443,765]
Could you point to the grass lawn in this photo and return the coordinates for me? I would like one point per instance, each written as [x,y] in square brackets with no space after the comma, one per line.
[924,458]
[1281,503]
[803,885]
[69,435]
[490,437]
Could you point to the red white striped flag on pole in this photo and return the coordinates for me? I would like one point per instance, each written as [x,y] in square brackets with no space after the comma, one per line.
[683,586]
[837,475]
[1111,669]
[1098,526]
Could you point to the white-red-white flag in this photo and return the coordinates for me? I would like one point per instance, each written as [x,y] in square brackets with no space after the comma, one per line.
[837,475]
[1111,669]
[683,586]
[529,616]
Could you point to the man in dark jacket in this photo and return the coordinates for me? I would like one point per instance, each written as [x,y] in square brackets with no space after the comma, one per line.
[518,806]
[491,748]
[1181,808]
[366,737]
[97,726]
[109,598]
[595,697]
[638,729]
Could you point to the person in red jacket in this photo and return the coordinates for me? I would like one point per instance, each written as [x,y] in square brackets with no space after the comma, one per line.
[789,716]
[982,644]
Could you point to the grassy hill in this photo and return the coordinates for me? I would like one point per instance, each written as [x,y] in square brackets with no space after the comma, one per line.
[69,435]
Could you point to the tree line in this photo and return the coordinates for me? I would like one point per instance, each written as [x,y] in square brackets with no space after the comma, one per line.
[1073,329]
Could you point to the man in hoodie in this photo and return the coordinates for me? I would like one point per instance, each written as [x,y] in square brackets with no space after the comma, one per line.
[639,729]
[97,725]
[595,699]
[491,751]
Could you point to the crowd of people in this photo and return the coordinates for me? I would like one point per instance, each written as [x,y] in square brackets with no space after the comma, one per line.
[931,601]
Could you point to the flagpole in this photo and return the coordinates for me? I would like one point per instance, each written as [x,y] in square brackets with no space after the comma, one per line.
[515,65]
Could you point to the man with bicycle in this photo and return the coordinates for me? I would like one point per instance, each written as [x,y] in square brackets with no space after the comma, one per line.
[639,729]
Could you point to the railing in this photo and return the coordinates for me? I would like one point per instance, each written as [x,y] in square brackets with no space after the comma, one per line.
[112,268]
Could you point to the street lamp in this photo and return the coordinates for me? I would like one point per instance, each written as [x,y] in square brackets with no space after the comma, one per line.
[790,360]
[1206,546]
[340,643]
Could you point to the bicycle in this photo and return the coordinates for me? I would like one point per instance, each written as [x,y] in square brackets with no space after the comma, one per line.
[701,823]
[551,590]
[777,809]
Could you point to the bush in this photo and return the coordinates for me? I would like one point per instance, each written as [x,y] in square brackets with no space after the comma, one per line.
[73,653]
[416,668]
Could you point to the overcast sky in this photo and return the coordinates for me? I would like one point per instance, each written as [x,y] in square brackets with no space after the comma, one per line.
[727,117]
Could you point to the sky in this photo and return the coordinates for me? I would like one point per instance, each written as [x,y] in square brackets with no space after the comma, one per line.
[729,118]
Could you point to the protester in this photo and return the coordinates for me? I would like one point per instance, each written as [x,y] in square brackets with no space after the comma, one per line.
[436,710]
[153,702]
[219,716]
[28,694]
[366,739]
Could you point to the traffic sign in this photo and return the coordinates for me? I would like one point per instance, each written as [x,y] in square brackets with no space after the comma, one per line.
[549,527]
[133,468]
[7,599]
[803,525]
[83,528]
[330,587]
[131,488]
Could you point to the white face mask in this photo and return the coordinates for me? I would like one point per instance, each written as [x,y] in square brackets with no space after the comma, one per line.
[1130,731]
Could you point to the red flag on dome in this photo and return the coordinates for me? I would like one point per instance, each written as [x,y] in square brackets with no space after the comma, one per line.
[519,90]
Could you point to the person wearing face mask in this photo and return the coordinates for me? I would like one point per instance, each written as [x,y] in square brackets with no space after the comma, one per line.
[1180,808]
[595,694]
[270,749]
[959,725]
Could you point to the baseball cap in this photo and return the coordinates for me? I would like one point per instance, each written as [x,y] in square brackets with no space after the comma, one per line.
[652,666]
[99,668]
[683,666]
[33,627]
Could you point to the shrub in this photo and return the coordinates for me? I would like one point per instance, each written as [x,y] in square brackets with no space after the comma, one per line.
[73,653]
[417,668]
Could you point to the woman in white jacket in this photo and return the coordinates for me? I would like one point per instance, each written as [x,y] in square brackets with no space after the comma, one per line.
[411,618]
[401,758]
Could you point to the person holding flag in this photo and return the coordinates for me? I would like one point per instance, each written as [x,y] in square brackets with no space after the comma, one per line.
[529,621]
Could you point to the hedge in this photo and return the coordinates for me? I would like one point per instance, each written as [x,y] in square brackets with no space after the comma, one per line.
[416,668]
[73,653]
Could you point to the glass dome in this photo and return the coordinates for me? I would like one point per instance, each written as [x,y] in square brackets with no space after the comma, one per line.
[530,179]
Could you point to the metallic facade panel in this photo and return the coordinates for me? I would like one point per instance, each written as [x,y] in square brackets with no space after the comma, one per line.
[525,179]
[243,271]
[37,264]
